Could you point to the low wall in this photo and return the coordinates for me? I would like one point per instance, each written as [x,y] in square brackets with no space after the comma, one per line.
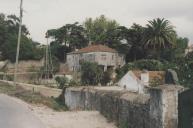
[158,109]
[45,91]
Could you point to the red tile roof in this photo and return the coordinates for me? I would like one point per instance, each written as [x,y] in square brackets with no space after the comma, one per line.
[152,74]
[95,48]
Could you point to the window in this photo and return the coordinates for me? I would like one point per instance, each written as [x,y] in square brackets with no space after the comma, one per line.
[103,57]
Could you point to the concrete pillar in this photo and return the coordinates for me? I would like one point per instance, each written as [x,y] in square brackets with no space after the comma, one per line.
[164,106]
[105,68]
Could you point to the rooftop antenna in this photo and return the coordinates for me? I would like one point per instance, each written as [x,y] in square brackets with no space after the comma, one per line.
[19,41]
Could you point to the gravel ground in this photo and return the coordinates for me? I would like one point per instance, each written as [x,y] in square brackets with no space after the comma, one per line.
[71,119]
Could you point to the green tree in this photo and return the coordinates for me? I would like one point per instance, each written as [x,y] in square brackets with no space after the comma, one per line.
[135,35]
[177,51]
[67,38]
[97,29]
[159,34]
[91,73]
[9,26]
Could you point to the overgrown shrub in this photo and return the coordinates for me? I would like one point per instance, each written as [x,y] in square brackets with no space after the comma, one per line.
[62,81]
[91,73]
[74,83]
[123,70]
[151,65]
[156,82]
[107,76]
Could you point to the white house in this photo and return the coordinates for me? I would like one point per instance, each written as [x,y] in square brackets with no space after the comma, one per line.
[130,82]
[136,81]
[104,56]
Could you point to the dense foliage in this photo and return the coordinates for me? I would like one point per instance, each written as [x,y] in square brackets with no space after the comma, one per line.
[155,46]
[91,73]
[8,40]
[147,64]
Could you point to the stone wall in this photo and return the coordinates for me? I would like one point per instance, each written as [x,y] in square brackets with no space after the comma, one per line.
[125,109]
[158,109]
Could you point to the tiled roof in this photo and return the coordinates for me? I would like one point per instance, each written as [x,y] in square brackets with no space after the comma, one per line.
[152,74]
[95,48]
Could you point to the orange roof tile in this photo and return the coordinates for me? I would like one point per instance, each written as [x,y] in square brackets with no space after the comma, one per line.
[95,48]
[152,74]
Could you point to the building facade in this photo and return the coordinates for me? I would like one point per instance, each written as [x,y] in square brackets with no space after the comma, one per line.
[104,56]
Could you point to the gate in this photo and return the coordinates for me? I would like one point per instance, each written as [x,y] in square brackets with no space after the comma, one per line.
[185,109]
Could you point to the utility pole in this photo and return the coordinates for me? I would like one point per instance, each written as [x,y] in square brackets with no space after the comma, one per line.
[19,41]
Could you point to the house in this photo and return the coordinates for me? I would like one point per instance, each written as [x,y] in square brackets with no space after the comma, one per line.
[189,49]
[137,81]
[104,56]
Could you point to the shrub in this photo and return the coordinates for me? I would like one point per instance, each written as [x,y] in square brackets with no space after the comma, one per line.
[91,73]
[123,70]
[62,82]
[151,65]
[156,82]
[74,83]
[107,76]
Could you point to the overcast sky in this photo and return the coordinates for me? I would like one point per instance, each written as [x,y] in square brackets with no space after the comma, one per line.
[41,15]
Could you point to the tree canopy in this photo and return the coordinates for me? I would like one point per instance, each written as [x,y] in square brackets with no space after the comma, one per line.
[9,26]
[159,34]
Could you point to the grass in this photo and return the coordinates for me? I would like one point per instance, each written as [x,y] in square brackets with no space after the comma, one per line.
[33,98]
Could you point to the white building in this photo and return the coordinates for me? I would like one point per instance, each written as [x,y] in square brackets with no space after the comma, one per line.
[137,81]
[104,56]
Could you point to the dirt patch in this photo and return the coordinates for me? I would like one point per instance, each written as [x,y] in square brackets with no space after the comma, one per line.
[71,119]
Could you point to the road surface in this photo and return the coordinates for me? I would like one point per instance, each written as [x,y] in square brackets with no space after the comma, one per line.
[16,115]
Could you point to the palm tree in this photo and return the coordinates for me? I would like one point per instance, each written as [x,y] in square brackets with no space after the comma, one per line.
[159,34]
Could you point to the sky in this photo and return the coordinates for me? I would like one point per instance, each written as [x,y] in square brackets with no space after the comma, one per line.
[41,15]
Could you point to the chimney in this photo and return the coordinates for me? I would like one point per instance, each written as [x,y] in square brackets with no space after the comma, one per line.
[145,77]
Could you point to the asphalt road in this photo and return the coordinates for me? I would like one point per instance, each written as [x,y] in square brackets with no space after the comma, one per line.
[16,115]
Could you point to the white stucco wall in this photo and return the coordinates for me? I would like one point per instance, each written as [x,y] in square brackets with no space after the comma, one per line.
[131,83]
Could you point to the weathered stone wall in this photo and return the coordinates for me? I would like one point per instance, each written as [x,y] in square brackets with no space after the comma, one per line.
[125,109]
[157,109]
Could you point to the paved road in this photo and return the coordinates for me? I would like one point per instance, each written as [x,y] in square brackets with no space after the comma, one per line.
[16,115]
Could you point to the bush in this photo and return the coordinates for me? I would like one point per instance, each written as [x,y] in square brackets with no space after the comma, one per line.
[107,76]
[151,65]
[91,73]
[123,70]
[74,83]
[62,82]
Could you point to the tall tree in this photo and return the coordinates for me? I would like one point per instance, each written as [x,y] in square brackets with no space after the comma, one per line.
[159,34]
[9,26]
[134,39]
[67,38]
[97,29]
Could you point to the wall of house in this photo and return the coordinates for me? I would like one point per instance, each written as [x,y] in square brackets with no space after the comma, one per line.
[102,58]
[157,109]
